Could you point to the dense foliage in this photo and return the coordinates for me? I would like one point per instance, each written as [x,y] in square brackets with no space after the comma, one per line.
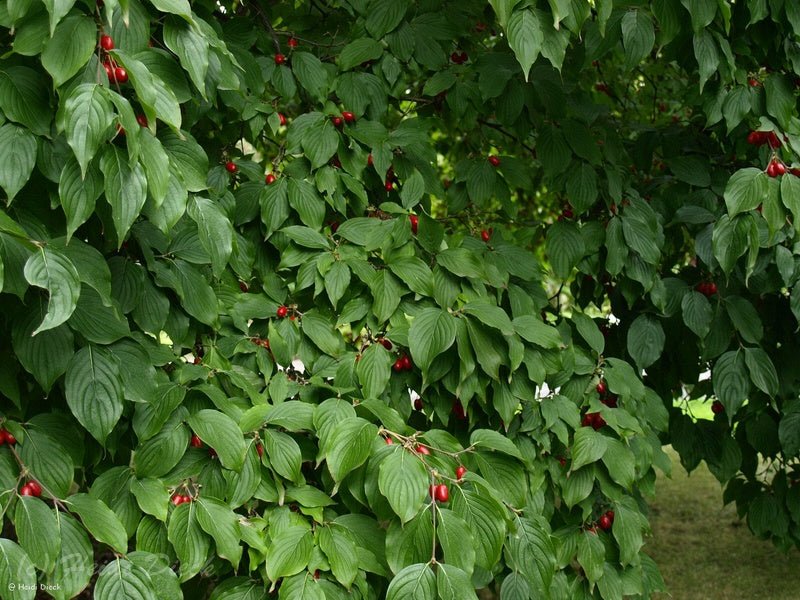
[371,298]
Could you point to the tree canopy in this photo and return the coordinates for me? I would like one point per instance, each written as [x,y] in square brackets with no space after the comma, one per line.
[378,298]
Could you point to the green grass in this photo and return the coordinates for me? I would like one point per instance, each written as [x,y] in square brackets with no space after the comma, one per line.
[705,552]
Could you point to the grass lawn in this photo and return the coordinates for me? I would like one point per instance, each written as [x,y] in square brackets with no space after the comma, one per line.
[705,552]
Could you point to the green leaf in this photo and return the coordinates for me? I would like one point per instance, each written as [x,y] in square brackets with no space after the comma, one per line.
[339,546]
[70,48]
[780,99]
[126,190]
[454,584]
[374,371]
[403,480]
[99,520]
[321,331]
[745,190]
[565,247]
[762,370]
[289,552]
[306,237]
[156,165]
[192,49]
[190,542]
[78,193]
[415,582]
[532,329]
[320,141]
[589,331]
[187,159]
[385,15]
[582,188]
[486,438]
[487,523]
[215,231]
[17,158]
[454,536]
[789,429]
[588,446]
[25,98]
[697,313]
[731,384]
[152,496]
[337,280]
[284,454]
[51,270]
[359,51]
[349,446]
[620,462]
[123,579]
[37,532]
[94,390]
[222,524]
[431,334]
[303,198]
[74,565]
[16,569]
[627,531]
[48,462]
[705,51]
[645,340]
[182,8]
[745,318]
[638,37]
[310,73]
[222,434]
[502,9]
[86,115]
[591,555]
[525,37]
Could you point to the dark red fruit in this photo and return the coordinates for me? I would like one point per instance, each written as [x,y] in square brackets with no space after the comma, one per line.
[280,59]
[755,138]
[398,365]
[587,420]
[458,411]
[388,186]
[27,490]
[598,422]
[460,472]
[141,120]
[120,75]
[610,401]
[567,213]
[177,499]
[291,42]
[753,82]
[388,441]
[772,140]
[442,493]
[106,42]
[9,437]
[270,179]
[414,223]
[337,122]
[604,522]
[385,343]
[601,388]
[717,407]
[244,287]
[494,161]
[231,167]
[282,312]
[485,235]
[282,119]
[260,449]
[370,160]
[196,442]
[418,404]
[109,71]
[348,117]
[334,226]
[423,450]
[406,362]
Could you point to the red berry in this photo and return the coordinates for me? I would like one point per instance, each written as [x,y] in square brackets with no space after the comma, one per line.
[432,490]
[348,117]
[795,171]
[587,420]
[260,449]
[610,515]
[282,312]
[270,179]
[398,365]
[494,161]
[282,119]
[418,404]
[604,522]
[196,442]
[212,453]
[385,343]
[711,289]
[423,450]
[334,226]
[177,499]
[26,490]
[755,138]
[414,223]
[717,407]
[337,122]
[9,437]
[454,57]
[601,388]
[460,472]
[780,168]
[141,120]
[291,42]
[231,167]
[406,362]
[120,75]
[36,489]
[244,287]
[753,82]
[280,59]
[316,573]
[567,213]
[772,140]
[463,58]
[458,411]
[388,186]
[106,42]
[610,401]
[388,441]
[442,493]
[370,160]
[598,422]
[485,236]
[109,71]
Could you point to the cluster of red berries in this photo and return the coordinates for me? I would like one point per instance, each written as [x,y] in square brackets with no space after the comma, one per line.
[347,117]
[776,168]
[440,493]
[759,138]
[707,288]
[403,363]
[459,58]
[606,521]
[606,397]
[32,488]
[115,73]
[593,420]
[6,437]
[179,499]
